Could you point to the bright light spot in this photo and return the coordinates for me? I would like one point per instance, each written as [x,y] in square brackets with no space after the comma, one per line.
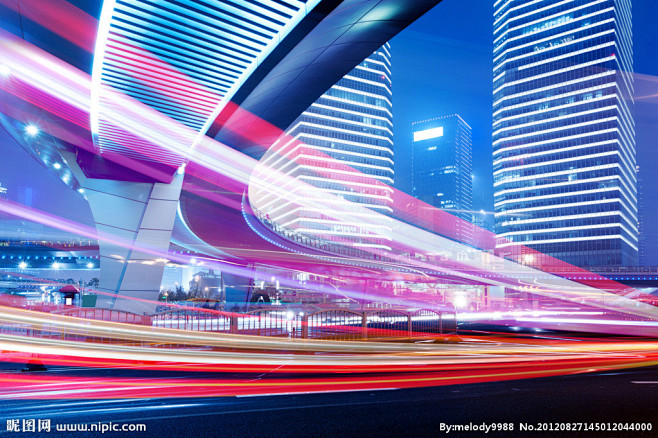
[4,70]
[528,258]
[57,166]
[301,313]
[81,190]
[31,130]
[481,211]
[193,261]
[461,301]
[90,265]
[426,134]
[290,315]
[22,265]
[55,265]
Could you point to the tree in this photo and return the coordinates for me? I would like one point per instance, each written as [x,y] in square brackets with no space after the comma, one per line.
[179,294]
[260,296]
[93,283]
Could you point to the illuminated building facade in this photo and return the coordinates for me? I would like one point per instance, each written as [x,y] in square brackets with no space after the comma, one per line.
[342,145]
[563,130]
[442,173]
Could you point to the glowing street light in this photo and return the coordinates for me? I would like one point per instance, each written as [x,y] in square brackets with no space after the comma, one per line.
[22,265]
[460,301]
[55,265]
[90,265]
[32,130]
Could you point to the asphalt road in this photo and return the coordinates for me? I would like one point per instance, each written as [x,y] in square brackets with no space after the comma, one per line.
[611,397]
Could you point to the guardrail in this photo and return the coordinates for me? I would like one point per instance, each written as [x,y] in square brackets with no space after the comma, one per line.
[335,323]
[105,315]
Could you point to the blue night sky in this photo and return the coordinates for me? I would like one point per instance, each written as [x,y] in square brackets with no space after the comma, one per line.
[442,65]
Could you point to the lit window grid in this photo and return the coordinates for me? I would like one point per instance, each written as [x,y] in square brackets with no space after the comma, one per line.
[549,38]
[538,21]
[508,157]
[535,243]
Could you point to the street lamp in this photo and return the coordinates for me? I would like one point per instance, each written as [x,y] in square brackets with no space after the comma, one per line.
[32,130]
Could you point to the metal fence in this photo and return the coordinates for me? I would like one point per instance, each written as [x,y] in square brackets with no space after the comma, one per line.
[324,324]
[337,323]
[100,314]
[269,323]
[197,320]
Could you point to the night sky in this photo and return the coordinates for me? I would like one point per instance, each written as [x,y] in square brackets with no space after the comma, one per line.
[442,65]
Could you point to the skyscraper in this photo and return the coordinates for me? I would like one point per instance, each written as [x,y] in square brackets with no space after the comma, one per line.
[342,145]
[563,130]
[442,173]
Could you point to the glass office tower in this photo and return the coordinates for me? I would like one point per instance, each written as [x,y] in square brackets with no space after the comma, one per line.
[563,130]
[442,168]
[343,146]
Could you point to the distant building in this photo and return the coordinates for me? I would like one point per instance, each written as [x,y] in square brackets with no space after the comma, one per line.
[442,167]
[482,220]
[206,285]
[563,131]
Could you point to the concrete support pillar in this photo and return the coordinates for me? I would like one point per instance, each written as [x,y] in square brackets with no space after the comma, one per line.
[142,215]
[305,327]
[495,297]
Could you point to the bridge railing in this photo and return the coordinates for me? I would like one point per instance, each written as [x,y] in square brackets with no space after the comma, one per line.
[335,323]
[101,314]
[192,319]
[53,326]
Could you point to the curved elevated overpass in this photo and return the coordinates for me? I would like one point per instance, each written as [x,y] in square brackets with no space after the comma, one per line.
[202,65]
